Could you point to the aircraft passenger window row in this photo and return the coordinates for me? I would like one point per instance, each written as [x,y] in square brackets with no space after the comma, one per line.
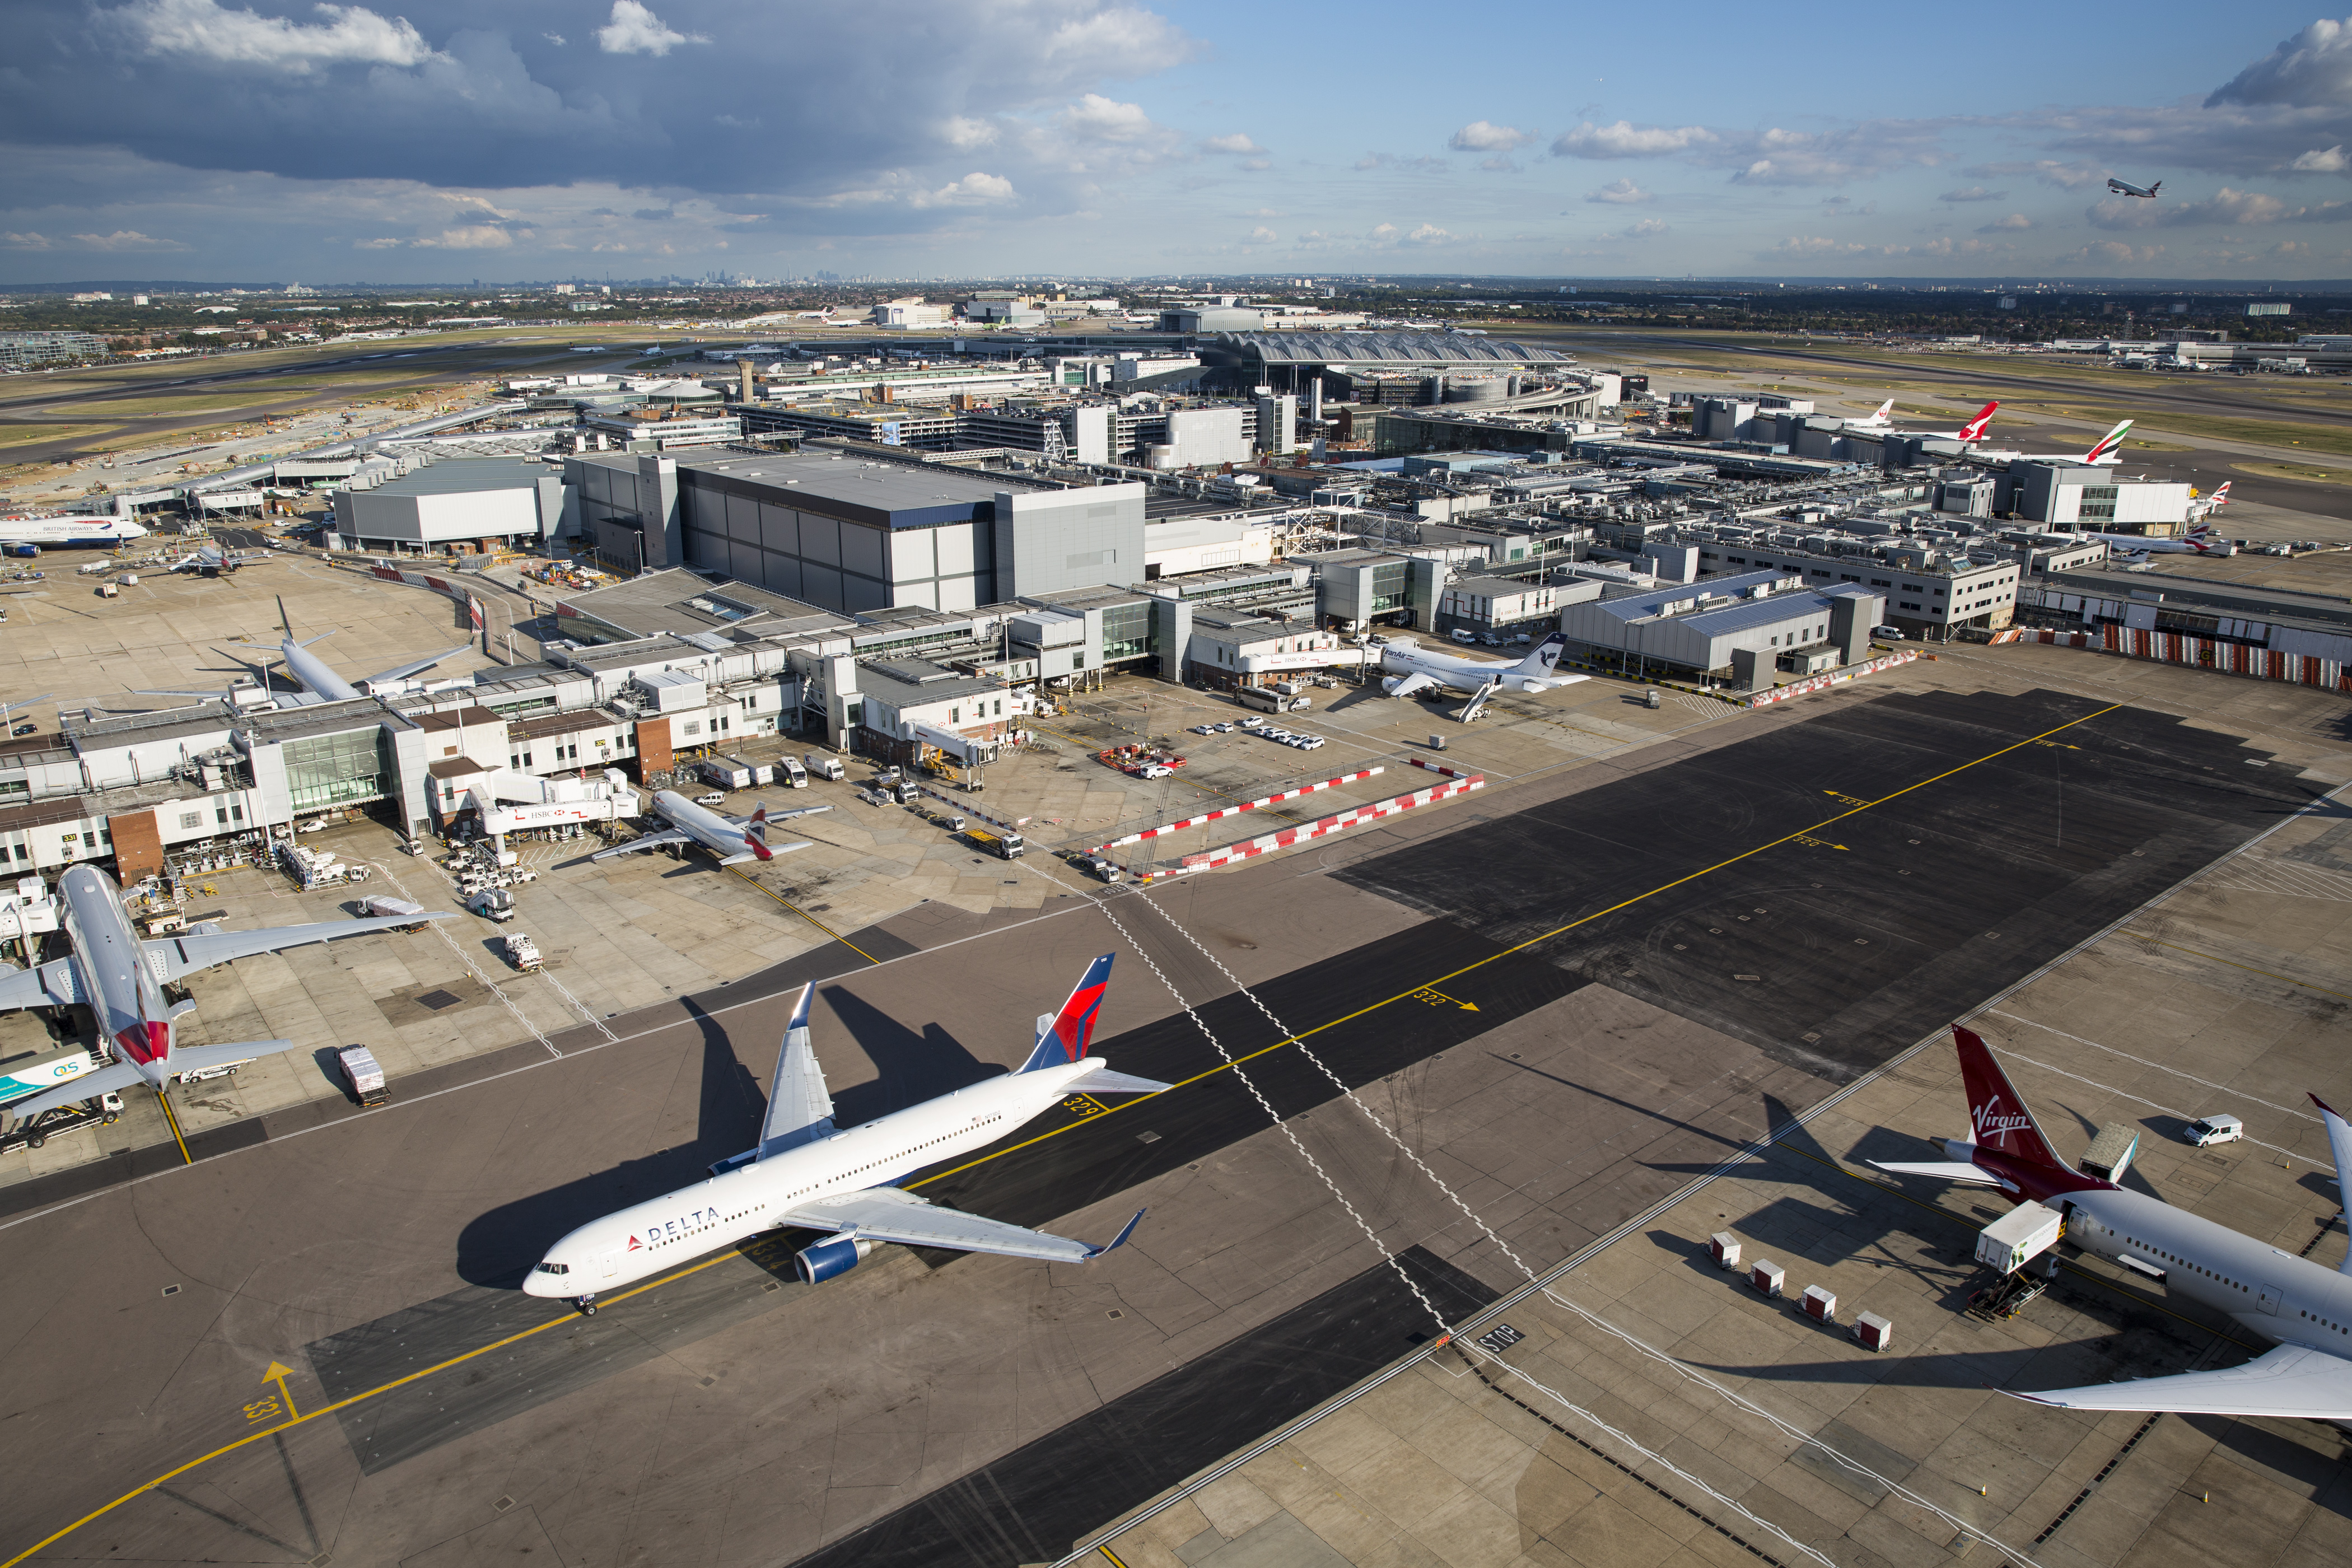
[2325,1323]
[2192,1268]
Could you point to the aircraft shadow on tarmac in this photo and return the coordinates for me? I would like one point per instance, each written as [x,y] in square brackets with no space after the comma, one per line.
[499,1247]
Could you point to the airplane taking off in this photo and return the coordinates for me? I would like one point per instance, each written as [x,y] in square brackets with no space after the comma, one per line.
[2304,1309]
[734,839]
[2200,539]
[319,683]
[2125,188]
[121,978]
[804,1173]
[1416,669]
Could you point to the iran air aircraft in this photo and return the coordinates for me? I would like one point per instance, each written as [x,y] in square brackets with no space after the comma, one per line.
[1414,668]
[2302,1309]
[320,682]
[734,839]
[120,979]
[807,1173]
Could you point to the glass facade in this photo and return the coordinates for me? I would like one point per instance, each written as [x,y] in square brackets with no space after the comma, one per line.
[1126,631]
[340,769]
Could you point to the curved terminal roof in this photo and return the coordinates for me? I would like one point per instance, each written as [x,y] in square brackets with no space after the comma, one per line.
[1437,349]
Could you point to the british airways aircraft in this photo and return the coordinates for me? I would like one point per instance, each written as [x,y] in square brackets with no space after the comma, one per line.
[120,979]
[2125,188]
[2302,1309]
[734,839]
[807,1173]
[320,682]
[69,530]
[1416,668]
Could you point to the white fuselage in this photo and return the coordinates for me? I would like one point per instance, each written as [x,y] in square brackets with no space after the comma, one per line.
[2271,1293]
[122,991]
[1465,675]
[705,826]
[645,1238]
[2139,544]
[86,533]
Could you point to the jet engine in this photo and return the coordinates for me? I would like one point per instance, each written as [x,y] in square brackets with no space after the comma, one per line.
[1389,683]
[820,1263]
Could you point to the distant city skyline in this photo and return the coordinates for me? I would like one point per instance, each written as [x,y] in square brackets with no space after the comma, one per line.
[645,139]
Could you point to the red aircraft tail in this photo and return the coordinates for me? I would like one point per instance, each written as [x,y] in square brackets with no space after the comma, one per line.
[755,835]
[1998,1118]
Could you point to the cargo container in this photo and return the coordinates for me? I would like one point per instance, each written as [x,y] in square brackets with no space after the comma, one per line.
[2018,1236]
[723,773]
[364,1074]
[384,908]
[2110,1153]
[761,772]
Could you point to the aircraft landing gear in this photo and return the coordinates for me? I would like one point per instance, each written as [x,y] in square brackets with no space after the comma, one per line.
[587,1304]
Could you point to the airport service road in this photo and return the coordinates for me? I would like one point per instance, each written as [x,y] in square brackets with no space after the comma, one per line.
[1549,1003]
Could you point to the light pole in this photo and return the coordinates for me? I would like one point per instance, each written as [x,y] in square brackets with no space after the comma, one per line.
[6,708]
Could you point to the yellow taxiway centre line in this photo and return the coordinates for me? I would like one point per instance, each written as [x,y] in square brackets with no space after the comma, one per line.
[804,915]
[1531,942]
[350,1400]
[165,1101]
[1027,1142]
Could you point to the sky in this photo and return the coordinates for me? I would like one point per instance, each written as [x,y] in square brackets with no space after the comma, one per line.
[447,141]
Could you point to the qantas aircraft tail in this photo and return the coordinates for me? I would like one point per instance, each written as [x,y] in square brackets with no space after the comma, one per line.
[1997,1117]
[1974,429]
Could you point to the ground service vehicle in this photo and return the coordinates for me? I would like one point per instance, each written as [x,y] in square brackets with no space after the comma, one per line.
[492,904]
[364,1074]
[1000,842]
[790,772]
[827,767]
[1267,701]
[385,907]
[2207,1131]
[724,774]
[523,953]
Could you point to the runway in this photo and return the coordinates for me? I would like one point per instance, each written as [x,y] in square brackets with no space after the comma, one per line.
[1573,1012]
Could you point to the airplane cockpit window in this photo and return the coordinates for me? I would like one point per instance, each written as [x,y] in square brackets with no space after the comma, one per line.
[553,1269]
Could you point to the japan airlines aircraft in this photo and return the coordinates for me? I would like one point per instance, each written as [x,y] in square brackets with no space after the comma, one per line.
[806,1174]
[320,682]
[2200,539]
[1877,419]
[2125,188]
[69,531]
[121,978]
[734,839]
[2304,1309]
[1416,668]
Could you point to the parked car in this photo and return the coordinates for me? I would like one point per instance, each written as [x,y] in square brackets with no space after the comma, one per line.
[1892,633]
[1204,729]
[24,729]
[1461,636]
[2207,1131]
[1155,771]
[716,797]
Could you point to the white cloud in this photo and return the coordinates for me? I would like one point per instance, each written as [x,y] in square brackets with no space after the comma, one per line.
[964,133]
[1498,165]
[2323,161]
[1972,193]
[2112,253]
[2000,225]
[2312,70]
[1627,140]
[470,237]
[375,244]
[124,240]
[2048,171]
[1094,117]
[974,190]
[1236,142]
[2225,206]
[635,30]
[1485,136]
[11,240]
[1647,229]
[208,30]
[1623,192]
[1261,235]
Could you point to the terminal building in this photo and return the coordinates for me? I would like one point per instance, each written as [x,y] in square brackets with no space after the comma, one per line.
[1736,630]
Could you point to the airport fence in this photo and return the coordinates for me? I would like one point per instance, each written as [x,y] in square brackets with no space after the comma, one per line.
[1395,805]
[1168,827]
[1833,677]
[2202,653]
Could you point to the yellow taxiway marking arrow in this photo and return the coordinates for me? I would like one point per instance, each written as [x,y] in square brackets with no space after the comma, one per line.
[1436,998]
[278,1374]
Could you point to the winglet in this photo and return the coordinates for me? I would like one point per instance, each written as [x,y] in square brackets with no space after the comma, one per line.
[801,1008]
[1065,1040]
[1121,1239]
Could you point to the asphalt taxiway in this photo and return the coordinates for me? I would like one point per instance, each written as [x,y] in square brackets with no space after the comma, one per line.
[1561,1008]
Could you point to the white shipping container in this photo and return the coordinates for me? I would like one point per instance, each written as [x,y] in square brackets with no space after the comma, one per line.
[2018,1236]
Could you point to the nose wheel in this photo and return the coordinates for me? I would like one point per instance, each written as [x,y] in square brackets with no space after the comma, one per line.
[587,1304]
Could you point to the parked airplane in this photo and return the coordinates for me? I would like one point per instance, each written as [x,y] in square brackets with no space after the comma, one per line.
[68,532]
[1417,668]
[1877,419]
[2200,539]
[2212,503]
[804,1173]
[320,682]
[2125,188]
[121,978]
[2303,1309]
[734,839]
[1974,430]
[2104,452]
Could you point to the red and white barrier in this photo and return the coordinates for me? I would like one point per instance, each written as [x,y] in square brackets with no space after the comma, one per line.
[1167,828]
[2205,653]
[1438,768]
[1395,805]
[1834,678]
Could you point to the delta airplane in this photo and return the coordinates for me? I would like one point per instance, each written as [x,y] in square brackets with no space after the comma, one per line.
[68,532]
[2125,188]
[2302,1309]
[1416,668]
[734,839]
[320,682]
[120,979]
[2200,539]
[807,1173]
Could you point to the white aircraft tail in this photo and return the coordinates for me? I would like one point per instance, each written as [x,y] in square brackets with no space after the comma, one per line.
[2109,447]
[1544,657]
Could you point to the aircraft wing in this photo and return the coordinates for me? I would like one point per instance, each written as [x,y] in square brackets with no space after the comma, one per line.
[1408,684]
[646,841]
[800,1111]
[774,816]
[2293,1380]
[887,1213]
[112,1079]
[175,956]
[52,985]
[1959,1171]
[401,672]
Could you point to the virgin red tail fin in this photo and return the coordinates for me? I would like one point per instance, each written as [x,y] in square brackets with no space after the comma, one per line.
[1998,1118]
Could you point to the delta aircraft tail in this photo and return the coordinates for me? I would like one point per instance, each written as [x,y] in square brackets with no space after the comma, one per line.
[1064,1037]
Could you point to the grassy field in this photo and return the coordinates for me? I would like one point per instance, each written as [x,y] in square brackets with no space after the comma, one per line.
[24,434]
[2295,471]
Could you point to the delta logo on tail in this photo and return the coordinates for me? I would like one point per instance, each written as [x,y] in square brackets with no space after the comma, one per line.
[1065,1038]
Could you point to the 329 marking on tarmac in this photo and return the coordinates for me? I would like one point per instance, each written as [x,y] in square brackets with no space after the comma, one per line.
[1436,998]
